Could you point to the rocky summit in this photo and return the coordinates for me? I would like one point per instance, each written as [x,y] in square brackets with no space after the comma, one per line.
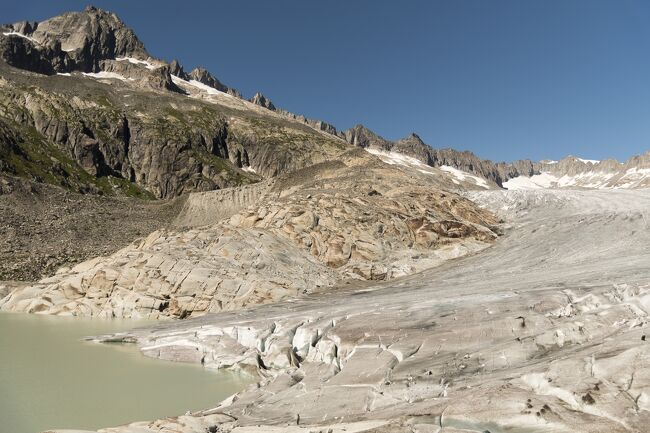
[363,284]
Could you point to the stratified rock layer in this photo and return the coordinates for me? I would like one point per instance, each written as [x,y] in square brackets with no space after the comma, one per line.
[354,219]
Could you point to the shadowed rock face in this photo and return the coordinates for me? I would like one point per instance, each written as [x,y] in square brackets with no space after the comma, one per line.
[106,141]
[72,41]
[361,136]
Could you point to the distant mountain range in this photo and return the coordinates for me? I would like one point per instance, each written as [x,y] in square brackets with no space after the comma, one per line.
[84,105]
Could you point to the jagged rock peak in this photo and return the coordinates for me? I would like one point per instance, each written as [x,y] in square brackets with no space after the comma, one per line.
[175,68]
[94,29]
[262,101]
[314,123]
[412,138]
[73,41]
[204,76]
[361,136]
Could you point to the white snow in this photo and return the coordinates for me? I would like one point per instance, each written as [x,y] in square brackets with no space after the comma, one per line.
[634,171]
[588,161]
[200,86]
[634,176]
[396,158]
[631,178]
[464,176]
[249,169]
[64,74]
[523,182]
[178,81]
[210,90]
[135,61]
[104,74]
[20,35]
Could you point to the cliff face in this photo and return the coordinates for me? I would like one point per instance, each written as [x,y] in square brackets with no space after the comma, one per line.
[75,41]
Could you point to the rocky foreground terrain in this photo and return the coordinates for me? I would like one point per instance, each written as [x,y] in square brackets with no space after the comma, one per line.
[44,228]
[543,332]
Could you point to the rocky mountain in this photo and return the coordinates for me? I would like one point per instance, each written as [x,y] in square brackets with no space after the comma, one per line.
[69,42]
[466,161]
[103,116]
[85,106]
[204,76]
[262,101]
[570,172]
[573,172]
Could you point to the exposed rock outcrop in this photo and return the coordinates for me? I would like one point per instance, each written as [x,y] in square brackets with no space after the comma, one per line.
[262,101]
[146,138]
[75,41]
[357,219]
[204,76]
[361,136]
[413,146]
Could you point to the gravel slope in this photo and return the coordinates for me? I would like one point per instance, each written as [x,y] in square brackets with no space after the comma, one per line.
[43,227]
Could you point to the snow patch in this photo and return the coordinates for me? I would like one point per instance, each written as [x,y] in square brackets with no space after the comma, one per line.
[64,74]
[396,158]
[109,75]
[249,169]
[545,180]
[199,86]
[178,80]
[135,61]
[588,161]
[210,90]
[464,176]
[20,35]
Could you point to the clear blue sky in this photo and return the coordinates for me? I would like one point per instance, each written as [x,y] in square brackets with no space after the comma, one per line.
[507,79]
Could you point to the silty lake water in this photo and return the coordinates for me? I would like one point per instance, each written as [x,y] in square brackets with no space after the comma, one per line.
[51,378]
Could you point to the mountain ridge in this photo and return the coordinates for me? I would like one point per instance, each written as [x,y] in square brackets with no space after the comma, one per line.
[96,44]
[179,132]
